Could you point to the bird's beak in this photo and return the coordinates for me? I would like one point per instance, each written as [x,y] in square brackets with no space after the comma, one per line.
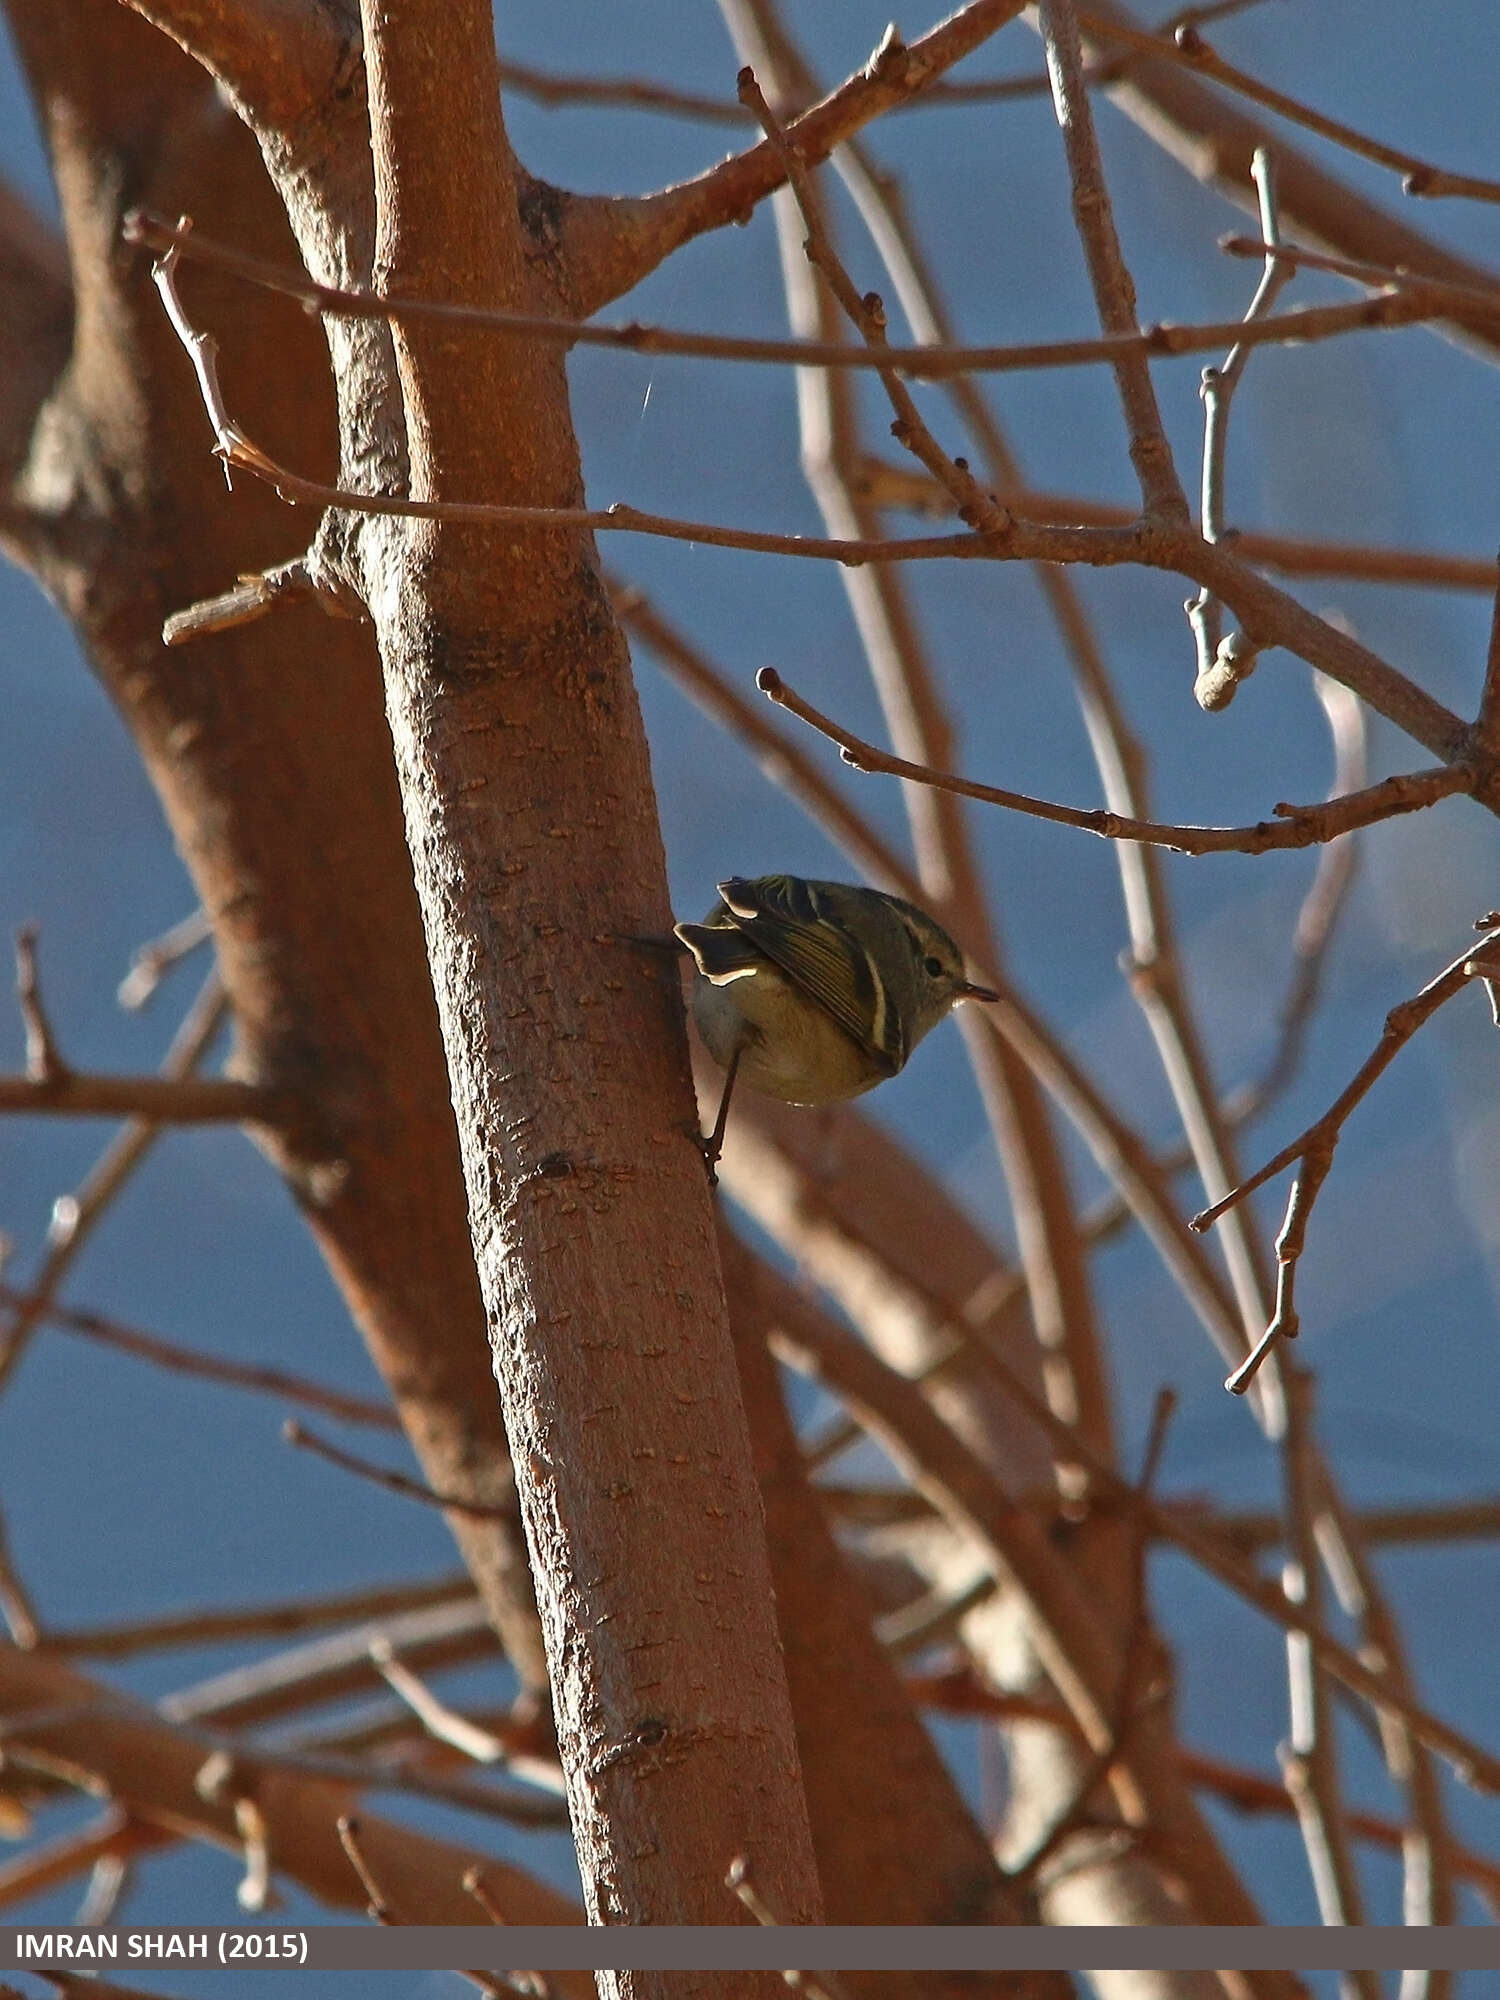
[969,991]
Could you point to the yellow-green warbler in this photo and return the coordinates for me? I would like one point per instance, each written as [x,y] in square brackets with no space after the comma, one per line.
[816,991]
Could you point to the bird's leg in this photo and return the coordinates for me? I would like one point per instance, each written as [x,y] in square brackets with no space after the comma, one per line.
[713,1144]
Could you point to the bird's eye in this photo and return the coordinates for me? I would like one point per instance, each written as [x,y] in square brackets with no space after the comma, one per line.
[933,967]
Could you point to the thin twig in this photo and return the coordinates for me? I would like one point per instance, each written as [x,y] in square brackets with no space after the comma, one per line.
[76,1215]
[1446,1521]
[1314,1149]
[1408,303]
[1294,826]
[1155,543]
[1189,50]
[551,88]
[240,1621]
[44,1063]
[1427,1853]
[1473,298]
[1223,665]
[190,1100]
[394,1482]
[900,486]
[1487,722]
[738,1878]
[180,1360]
[152,961]
[534,1983]
[377,1908]
[482,1746]
[960,1693]
[108,1884]
[446,1633]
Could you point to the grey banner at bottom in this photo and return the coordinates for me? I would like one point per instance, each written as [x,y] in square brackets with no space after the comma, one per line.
[668,1948]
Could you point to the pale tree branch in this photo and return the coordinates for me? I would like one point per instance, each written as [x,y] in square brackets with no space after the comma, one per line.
[1222,666]
[293,1433]
[1428,1853]
[1244,1791]
[1309,1759]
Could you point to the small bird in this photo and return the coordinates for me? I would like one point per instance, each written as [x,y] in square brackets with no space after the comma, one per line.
[816,991]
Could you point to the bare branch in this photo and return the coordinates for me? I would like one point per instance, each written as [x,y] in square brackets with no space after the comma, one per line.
[614,245]
[188,1100]
[1487,723]
[16,1607]
[151,1767]
[436,1717]
[49,1863]
[1214,140]
[76,1215]
[1404,303]
[393,1482]
[1321,909]
[890,485]
[242,1621]
[741,1881]
[1295,826]
[1114,290]
[376,1908]
[28,1307]
[1190,49]
[1221,666]
[1315,1147]
[154,960]
[1255,601]
[44,1063]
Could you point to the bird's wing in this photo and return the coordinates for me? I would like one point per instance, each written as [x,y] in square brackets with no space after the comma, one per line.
[722,951]
[784,918]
